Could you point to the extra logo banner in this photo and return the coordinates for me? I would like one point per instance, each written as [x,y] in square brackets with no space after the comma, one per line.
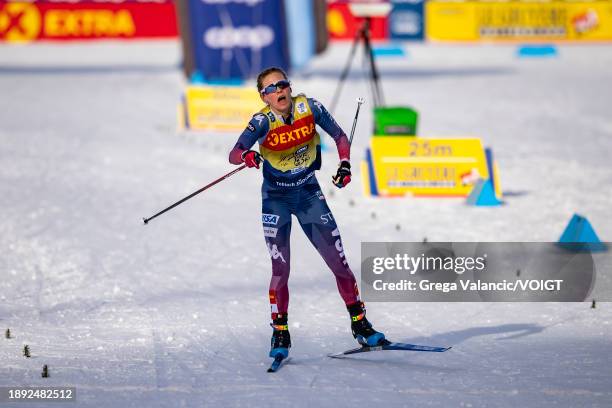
[27,21]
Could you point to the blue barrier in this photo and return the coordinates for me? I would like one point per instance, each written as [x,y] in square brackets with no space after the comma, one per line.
[537,51]
[198,79]
[390,50]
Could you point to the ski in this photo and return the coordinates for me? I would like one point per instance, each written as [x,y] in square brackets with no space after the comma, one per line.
[278,363]
[388,345]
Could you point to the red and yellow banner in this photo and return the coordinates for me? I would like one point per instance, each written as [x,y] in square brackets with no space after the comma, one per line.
[24,22]
[519,20]
[342,25]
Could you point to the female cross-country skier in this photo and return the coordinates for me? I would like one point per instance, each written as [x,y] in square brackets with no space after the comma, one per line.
[290,151]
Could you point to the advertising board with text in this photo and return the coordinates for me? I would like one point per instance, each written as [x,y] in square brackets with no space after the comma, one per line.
[220,108]
[517,20]
[418,166]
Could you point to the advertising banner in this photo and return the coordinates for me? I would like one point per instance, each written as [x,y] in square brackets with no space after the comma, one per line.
[59,21]
[515,20]
[342,25]
[220,108]
[237,39]
[416,166]
[406,21]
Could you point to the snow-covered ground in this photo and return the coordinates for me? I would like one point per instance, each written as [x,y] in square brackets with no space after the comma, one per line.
[176,313]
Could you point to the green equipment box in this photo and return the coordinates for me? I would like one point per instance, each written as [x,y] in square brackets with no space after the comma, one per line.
[396,121]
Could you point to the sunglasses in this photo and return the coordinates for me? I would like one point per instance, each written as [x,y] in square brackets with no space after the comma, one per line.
[282,84]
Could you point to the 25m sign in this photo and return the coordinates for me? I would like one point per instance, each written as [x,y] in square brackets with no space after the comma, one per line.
[24,22]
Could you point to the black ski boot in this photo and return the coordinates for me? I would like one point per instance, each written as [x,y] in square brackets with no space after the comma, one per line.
[362,328]
[281,339]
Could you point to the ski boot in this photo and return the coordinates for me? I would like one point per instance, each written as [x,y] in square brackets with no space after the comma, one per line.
[281,339]
[362,328]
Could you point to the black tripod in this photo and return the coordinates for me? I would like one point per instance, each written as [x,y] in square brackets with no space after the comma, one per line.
[363,34]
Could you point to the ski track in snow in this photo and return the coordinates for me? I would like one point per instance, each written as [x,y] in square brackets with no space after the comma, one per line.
[176,313]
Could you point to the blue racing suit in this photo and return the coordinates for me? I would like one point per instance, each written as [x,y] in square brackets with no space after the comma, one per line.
[290,147]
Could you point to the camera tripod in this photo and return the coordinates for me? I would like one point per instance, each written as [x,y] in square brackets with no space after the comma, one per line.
[362,35]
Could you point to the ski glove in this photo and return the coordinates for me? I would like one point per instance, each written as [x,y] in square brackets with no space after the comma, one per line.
[343,175]
[251,158]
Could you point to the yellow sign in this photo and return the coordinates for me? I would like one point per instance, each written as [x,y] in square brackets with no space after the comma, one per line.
[518,20]
[399,166]
[220,108]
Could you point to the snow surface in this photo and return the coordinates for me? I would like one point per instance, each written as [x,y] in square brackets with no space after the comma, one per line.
[176,313]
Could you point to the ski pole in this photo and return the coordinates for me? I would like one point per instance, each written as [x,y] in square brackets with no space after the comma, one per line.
[206,187]
[360,101]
